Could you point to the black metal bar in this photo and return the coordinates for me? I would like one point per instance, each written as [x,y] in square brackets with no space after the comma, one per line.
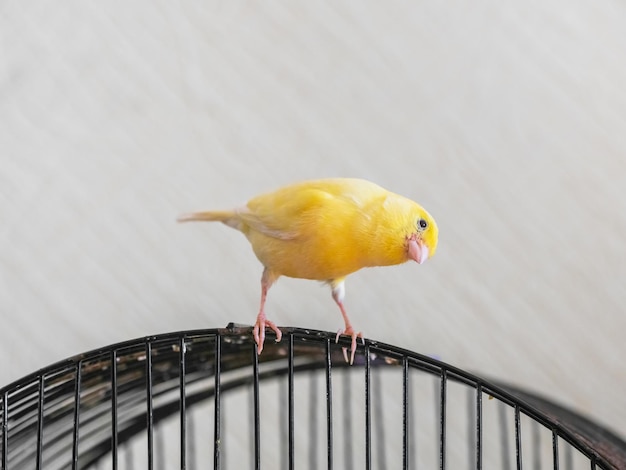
[114,408]
[257,417]
[442,419]
[149,405]
[75,435]
[368,411]
[518,438]
[182,350]
[479,426]
[555,450]
[329,407]
[5,428]
[405,413]
[217,433]
[291,404]
[40,422]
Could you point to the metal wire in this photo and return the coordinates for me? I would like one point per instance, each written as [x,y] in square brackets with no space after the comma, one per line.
[149,406]
[183,404]
[291,404]
[76,427]
[347,422]
[518,438]
[368,413]
[40,421]
[123,407]
[256,418]
[5,432]
[329,407]
[114,409]
[217,440]
[442,419]
[479,426]
[555,449]
[405,413]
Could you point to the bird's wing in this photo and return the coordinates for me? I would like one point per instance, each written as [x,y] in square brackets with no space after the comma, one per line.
[266,226]
[282,215]
[287,213]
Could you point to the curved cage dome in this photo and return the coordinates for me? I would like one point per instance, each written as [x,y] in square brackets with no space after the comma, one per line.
[202,399]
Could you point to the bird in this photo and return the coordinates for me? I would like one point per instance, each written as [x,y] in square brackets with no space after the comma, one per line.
[325,230]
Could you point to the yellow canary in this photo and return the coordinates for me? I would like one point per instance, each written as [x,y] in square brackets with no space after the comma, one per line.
[324,230]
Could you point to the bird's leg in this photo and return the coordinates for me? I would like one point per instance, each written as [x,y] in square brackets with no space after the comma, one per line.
[339,292]
[261,321]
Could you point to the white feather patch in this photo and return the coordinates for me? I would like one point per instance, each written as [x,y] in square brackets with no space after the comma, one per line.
[339,291]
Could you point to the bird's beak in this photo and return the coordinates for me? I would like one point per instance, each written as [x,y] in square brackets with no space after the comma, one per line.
[418,251]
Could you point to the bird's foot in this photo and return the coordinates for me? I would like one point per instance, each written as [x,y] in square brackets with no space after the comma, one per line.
[354,335]
[258,331]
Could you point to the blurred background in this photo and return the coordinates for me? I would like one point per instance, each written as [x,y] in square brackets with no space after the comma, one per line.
[507,121]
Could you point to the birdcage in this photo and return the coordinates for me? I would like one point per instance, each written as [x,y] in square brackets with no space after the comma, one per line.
[205,399]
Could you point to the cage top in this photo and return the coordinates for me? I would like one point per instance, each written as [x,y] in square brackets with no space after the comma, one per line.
[315,349]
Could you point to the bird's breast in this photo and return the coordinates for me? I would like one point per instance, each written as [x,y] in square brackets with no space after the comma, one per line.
[325,255]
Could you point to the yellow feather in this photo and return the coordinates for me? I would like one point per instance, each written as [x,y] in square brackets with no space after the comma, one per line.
[326,229]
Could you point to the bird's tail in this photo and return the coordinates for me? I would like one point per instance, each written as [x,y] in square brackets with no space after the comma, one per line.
[208,216]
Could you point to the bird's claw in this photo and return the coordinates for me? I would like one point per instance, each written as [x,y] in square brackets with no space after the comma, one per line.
[354,335]
[258,332]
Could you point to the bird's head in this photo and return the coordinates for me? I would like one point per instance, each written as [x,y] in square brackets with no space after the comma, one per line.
[422,235]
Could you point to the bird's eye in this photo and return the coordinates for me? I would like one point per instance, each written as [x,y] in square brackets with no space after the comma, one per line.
[422,224]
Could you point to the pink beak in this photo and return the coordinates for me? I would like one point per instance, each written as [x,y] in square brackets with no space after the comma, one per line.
[417,250]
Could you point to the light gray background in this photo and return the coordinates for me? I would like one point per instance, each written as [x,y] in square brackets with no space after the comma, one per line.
[507,121]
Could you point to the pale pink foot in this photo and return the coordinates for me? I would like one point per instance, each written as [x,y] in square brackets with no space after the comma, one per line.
[259,331]
[354,335]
